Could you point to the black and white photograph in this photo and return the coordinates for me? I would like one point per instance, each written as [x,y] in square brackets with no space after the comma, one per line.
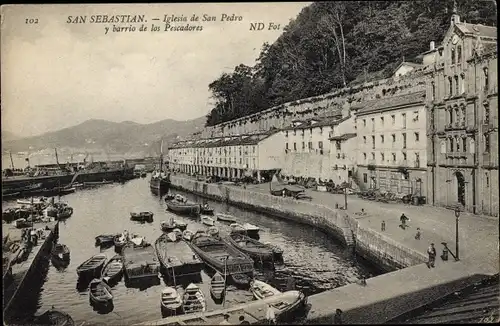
[250,163]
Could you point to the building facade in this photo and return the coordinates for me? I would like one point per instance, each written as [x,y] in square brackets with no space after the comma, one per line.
[343,151]
[391,144]
[462,106]
[229,157]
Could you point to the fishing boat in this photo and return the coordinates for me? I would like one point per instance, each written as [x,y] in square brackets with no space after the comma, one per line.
[171,301]
[120,240]
[60,251]
[142,216]
[32,201]
[207,221]
[177,258]
[213,231]
[113,269]
[22,223]
[104,239]
[100,292]
[207,210]
[140,262]
[193,300]
[217,286]
[160,180]
[92,266]
[185,208]
[180,225]
[96,183]
[167,226]
[285,306]
[241,281]
[261,290]
[187,235]
[55,318]
[144,174]
[245,229]
[64,212]
[225,218]
[253,248]
[220,256]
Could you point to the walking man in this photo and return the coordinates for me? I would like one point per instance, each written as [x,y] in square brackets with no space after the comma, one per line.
[337,318]
[418,234]
[403,220]
[431,251]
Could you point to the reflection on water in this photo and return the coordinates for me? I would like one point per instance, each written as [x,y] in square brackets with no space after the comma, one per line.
[314,260]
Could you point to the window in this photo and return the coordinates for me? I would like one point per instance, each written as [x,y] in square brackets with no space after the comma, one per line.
[320,144]
[464,144]
[459,54]
[373,142]
[364,156]
[463,115]
[415,116]
[487,180]
[451,115]
[382,139]
[486,79]
[393,138]
[433,91]
[382,121]
[310,145]
[311,131]
[294,147]
[393,157]
[382,158]
[373,156]
[373,124]
[457,115]
[364,123]
[295,132]
[404,140]
[240,160]
[364,139]
[457,141]
[286,133]
[365,177]
[450,85]
[457,91]
[452,56]
[320,130]
[404,156]
[417,136]
[487,143]
[337,145]
[393,117]
[286,147]
[303,145]
[417,157]
[450,145]
[443,147]
[462,83]
[486,113]
[403,116]
[253,149]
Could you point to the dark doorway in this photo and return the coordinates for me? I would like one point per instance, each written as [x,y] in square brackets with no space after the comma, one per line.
[460,187]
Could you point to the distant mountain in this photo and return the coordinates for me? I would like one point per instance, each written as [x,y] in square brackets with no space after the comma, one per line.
[108,137]
[7,136]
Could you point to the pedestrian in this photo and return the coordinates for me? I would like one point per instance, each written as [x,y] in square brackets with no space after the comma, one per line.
[403,220]
[337,318]
[418,234]
[243,321]
[270,315]
[431,251]
[383,226]
[226,320]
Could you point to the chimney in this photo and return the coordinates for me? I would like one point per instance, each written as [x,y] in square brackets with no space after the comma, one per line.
[432,45]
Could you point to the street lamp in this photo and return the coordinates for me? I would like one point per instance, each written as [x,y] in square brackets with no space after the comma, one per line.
[457,215]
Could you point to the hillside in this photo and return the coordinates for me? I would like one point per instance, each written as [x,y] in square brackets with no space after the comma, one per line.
[7,136]
[109,137]
[331,44]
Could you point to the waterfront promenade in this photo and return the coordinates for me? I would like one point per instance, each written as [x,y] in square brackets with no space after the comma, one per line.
[478,235]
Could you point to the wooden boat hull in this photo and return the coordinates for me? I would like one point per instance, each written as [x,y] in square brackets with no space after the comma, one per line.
[92,267]
[208,221]
[237,262]
[111,273]
[159,186]
[217,287]
[65,213]
[96,298]
[225,218]
[142,217]
[261,290]
[241,281]
[54,317]
[102,240]
[184,209]
[168,227]
[183,260]
[207,211]
[259,253]
[60,252]
[194,301]
[140,263]
[173,306]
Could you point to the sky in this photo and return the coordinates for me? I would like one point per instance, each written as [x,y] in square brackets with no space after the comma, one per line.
[56,74]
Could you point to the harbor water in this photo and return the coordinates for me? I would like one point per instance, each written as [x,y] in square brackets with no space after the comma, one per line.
[314,260]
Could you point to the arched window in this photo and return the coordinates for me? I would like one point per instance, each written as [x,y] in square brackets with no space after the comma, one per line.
[464,116]
[450,145]
[443,146]
[486,79]
[450,112]
[487,143]
[464,144]
[457,143]
[472,146]
[457,115]
[459,54]
[457,90]
[450,84]
[433,91]
[452,56]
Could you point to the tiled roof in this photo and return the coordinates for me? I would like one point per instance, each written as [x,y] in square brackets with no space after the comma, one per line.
[390,102]
[318,122]
[344,136]
[477,29]
[248,139]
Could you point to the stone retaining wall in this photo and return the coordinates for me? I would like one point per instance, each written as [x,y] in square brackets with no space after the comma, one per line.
[377,248]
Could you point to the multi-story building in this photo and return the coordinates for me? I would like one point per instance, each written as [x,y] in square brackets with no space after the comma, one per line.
[343,151]
[307,147]
[229,157]
[391,144]
[462,105]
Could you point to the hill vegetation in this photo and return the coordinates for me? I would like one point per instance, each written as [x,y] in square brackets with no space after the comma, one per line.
[331,44]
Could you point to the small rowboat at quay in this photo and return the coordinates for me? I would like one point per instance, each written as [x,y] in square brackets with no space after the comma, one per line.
[207,221]
[142,216]
[187,235]
[100,292]
[261,290]
[113,269]
[217,286]
[171,301]
[92,266]
[167,226]
[104,239]
[225,218]
[253,248]
[184,208]
[241,281]
[64,212]
[247,229]
[194,300]
[54,317]
[60,251]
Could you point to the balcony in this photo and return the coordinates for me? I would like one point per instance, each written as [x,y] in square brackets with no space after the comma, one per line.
[371,165]
[487,125]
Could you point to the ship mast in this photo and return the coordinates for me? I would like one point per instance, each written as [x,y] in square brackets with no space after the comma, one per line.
[57,158]
[11,161]
[161,156]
